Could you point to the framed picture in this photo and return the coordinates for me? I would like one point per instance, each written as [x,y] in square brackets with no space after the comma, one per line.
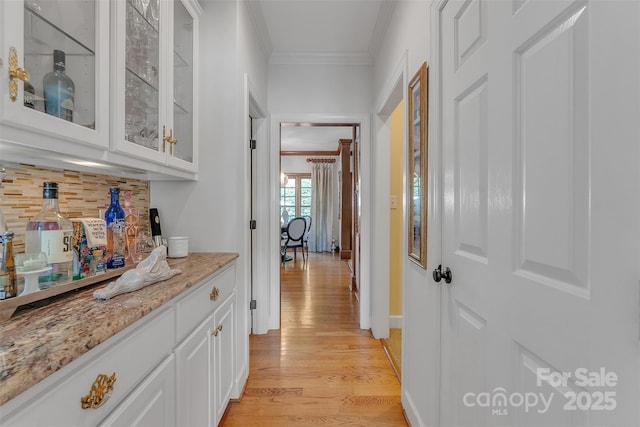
[417,170]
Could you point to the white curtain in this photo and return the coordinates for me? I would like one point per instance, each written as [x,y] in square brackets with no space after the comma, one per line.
[321,207]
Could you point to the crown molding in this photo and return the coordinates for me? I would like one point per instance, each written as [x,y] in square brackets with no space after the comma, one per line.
[256,14]
[320,58]
[382,24]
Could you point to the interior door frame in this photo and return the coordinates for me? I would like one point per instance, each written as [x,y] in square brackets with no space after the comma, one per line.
[273,291]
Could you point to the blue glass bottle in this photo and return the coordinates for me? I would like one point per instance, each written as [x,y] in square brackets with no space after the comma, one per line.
[114,217]
[59,90]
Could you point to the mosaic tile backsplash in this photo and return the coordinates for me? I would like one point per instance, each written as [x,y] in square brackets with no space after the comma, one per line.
[80,194]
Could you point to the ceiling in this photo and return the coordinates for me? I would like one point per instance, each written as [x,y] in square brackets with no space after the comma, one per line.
[320,32]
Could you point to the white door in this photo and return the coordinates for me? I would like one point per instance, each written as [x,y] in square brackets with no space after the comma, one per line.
[540,130]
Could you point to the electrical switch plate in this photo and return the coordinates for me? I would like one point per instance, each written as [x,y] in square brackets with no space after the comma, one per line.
[394,202]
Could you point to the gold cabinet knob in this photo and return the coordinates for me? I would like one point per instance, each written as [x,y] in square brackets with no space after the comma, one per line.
[100,391]
[215,292]
[15,73]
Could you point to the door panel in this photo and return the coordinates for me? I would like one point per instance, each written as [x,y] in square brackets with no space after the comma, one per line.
[539,127]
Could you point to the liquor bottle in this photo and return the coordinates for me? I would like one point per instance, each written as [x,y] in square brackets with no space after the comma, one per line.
[29,96]
[131,224]
[114,216]
[59,89]
[7,267]
[51,233]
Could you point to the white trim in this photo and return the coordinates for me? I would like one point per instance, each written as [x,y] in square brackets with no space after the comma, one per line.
[256,14]
[413,415]
[253,106]
[382,24]
[365,194]
[390,96]
[395,322]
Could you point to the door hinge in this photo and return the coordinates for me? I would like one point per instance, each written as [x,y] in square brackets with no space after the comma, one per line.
[252,144]
[252,224]
[252,304]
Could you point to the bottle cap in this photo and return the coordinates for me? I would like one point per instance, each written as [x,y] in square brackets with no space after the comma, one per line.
[50,190]
[114,190]
[58,57]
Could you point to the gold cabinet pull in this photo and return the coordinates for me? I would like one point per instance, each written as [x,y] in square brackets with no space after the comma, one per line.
[100,391]
[216,331]
[168,139]
[215,292]
[15,72]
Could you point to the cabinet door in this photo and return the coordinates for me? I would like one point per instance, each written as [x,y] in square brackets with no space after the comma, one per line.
[223,354]
[183,124]
[193,377]
[152,403]
[74,106]
[139,43]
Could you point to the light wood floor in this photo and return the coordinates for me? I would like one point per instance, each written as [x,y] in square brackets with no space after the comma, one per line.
[320,368]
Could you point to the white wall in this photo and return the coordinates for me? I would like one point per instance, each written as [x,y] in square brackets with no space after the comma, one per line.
[409,34]
[320,89]
[299,164]
[212,211]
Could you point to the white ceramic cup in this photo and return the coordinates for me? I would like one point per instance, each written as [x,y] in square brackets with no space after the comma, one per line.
[178,247]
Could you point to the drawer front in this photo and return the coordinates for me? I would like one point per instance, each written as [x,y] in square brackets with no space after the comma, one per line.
[192,309]
[131,357]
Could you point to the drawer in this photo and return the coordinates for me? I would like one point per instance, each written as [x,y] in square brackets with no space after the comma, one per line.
[132,355]
[203,300]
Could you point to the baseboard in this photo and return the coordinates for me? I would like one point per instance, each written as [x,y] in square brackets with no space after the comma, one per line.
[395,321]
[410,411]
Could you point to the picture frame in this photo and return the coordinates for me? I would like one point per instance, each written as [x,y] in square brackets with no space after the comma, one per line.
[417,171]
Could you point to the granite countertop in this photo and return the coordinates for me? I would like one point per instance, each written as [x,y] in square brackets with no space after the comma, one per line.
[36,343]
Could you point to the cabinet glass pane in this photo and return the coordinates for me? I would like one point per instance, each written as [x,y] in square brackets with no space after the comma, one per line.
[142,59]
[67,26]
[183,83]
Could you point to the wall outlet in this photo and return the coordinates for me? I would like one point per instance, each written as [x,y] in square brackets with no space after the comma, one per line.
[394,202]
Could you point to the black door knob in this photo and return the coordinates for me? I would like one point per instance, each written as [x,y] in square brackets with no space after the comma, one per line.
[438,274]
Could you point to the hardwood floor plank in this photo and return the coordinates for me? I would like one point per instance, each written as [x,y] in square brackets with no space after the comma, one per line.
[319,368]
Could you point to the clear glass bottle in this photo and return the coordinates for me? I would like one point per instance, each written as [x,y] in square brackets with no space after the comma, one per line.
[51,233]
[59,90]
[131,224]
[116,239]
[7,268]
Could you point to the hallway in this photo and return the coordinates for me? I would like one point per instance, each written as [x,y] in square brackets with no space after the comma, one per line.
[320,368]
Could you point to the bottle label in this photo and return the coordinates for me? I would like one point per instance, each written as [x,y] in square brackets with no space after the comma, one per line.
[57,245]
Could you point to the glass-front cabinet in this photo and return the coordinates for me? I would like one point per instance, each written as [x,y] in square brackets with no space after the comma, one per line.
[154,80]
[55,73]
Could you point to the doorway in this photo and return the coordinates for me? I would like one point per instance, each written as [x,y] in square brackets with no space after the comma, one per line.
[362,121]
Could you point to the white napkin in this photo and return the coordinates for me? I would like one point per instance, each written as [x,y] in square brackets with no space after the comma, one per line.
[150,270]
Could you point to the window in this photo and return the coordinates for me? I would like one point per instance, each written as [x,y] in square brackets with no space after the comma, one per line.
[295,195]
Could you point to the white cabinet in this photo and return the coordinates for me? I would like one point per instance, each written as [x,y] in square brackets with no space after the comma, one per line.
[194,377]
[205,358]
[154,78]
[32,30]
[223,346]
[152,403]
[174,366]
[134,67]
